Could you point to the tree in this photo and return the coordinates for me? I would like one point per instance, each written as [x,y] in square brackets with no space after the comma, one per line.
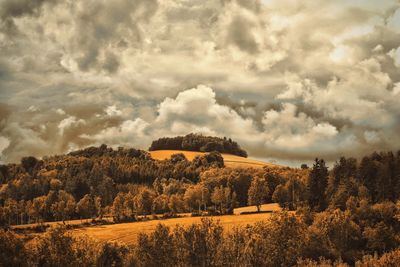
[118,206]
[111,254]
[196,196]
[98,207]
[106,190]
[11,210]
[29,163]
[282,237]
[198,244]
[316,185]
[367,173]
[175,203]
[85,207]
[343,170]
[64,207]
[281,195]
[391,258]
[218,197]
[273,181]
[56,248]
[55,184]
[38,208]
[239,180]
[380,237]
[160,204]
[333,233]
[258,192]
[178,157]
[143,201]
[156,249]
[12,250]
[224,198]
[129,205]
[158,186]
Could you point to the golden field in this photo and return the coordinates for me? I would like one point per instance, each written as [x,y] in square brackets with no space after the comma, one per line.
[127,232]
[230,160]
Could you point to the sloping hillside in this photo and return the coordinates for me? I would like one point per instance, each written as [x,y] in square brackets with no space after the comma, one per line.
[230,160]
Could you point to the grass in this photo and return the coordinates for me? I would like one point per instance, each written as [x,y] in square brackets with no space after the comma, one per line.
[266,207]
[230,160]
[127,232]
[69,222]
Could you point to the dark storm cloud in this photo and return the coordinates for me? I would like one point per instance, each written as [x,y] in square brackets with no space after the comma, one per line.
[111,63]
[10,9]
[18,8]
[4,114]
[253,5]
[101,26]
[239,33]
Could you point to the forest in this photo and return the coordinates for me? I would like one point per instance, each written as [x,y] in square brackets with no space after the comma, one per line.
[198,142]
[344,216]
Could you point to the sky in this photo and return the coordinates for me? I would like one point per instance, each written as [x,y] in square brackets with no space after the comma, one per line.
[288,80]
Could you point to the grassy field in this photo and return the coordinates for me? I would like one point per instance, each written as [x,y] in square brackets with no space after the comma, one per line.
[127,232]
[230,160]
[266,207]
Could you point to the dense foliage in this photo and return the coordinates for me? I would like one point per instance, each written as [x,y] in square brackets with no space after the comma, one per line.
[75,185]
[197,142]
[375,179]
[342,215]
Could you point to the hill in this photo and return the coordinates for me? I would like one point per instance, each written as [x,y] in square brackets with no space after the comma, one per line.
[124,183]
[232,161]
[198,142]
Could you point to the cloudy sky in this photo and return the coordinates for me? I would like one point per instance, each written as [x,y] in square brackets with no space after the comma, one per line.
[289,80]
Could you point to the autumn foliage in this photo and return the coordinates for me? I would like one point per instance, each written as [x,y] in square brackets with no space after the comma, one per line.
[349,215]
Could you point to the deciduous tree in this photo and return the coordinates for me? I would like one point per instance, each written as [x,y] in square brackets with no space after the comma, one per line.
[258,192]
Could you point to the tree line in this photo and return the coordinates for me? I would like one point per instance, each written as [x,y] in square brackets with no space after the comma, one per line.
[198,142]
[374,179]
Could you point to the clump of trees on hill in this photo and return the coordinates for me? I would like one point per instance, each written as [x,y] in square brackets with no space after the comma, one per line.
[198,142]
